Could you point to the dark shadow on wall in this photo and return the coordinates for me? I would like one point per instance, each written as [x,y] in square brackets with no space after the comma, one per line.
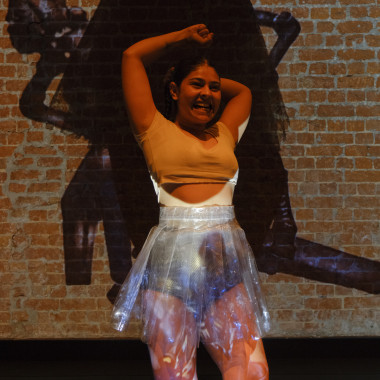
[325,264]
[112,184]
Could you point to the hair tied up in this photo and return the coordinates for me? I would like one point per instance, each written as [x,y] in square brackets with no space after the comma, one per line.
[169,75]
[168,78]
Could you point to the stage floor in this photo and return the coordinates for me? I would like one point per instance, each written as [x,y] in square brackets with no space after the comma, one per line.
[289,359]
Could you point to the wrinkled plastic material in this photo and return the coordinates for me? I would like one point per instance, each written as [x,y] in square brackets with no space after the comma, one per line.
[195,255]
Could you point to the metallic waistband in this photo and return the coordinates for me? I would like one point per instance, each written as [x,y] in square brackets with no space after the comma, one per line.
[197,213]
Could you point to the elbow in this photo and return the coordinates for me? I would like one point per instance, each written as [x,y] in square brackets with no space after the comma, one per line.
[129,53]
[244,92]
[247,90]
[248,94]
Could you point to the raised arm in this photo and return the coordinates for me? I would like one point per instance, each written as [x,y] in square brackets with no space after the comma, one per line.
[137,92]
[238,108]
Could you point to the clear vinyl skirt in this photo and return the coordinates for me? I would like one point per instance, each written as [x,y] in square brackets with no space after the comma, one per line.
[195,271]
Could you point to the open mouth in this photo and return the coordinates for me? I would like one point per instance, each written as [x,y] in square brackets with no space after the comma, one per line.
[203,106]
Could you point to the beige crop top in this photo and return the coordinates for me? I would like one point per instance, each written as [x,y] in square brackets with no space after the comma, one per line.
[174,157]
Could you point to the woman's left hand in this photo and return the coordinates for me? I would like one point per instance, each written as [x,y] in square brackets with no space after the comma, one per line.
[199,34]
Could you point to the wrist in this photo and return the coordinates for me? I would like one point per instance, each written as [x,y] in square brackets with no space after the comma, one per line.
[177,38]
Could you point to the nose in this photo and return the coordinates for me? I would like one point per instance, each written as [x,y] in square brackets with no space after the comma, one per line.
[205,91]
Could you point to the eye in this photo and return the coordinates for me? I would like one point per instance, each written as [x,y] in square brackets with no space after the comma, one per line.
[197,84]
[215,87]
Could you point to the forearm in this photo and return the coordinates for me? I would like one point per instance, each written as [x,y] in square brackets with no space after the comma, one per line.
[151,49]
[232,89]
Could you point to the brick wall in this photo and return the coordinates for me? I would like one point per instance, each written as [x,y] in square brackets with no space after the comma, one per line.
[57,182]
[330,84]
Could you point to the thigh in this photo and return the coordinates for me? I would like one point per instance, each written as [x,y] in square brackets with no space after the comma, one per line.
[234,345]
[171,335]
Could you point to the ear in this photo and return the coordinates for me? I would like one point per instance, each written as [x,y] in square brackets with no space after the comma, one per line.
[174,92]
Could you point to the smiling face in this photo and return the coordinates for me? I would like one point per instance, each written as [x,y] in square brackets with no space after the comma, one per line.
[198,97]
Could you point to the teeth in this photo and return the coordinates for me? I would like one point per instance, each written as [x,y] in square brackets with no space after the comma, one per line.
[202,106]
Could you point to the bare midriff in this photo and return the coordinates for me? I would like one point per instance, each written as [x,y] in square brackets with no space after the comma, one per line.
[196,194]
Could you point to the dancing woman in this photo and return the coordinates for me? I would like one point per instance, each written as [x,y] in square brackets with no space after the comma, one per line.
[195,278]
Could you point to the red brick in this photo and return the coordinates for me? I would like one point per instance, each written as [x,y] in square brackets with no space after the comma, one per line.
[367,189]
[334,40]
[17,188]
[337,138]
[7,71]
[356,54]
[323,175]
[324,202]
[357,150]
[335,111]
[355,82]
[38,215]
[317,96]
[313,40]
[338,13]
[337,96]
[370,302]
[356,96]
[306,110]
[323,303]
[373,96]
[25,174]
[364,138]
[318,68]
[41,227]
[50,161]
[316,54]
[42,304]
[355,125]
[298,68]
[40,150]
[373,41]
[304,214]
[315,82]
[294,96]
[356,68]
[325,27]
[350,27]
[34,136]
[24,161]
[15,138]
[368,111]
[325,163]
[77,304]
[320,13]
[357,2]
[346,163]
[54,174]
[337,68]
[8,99]
[359,12]
[363,176]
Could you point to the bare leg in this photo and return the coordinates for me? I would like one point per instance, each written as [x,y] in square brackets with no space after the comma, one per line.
[237,359]
[172,339]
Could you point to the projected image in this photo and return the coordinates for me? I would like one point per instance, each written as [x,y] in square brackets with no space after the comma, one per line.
[112,184]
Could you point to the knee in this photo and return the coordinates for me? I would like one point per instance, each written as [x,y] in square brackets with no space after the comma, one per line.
[258,371]
[173,363]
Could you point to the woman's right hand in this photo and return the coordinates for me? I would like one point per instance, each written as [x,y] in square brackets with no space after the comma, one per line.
[199,34]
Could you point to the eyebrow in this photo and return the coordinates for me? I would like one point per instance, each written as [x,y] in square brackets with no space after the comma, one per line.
[201,79]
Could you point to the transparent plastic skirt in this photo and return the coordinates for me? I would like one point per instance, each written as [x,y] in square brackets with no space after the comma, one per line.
[190,263]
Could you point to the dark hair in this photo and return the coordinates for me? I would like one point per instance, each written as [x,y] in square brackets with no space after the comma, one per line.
[177,74]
